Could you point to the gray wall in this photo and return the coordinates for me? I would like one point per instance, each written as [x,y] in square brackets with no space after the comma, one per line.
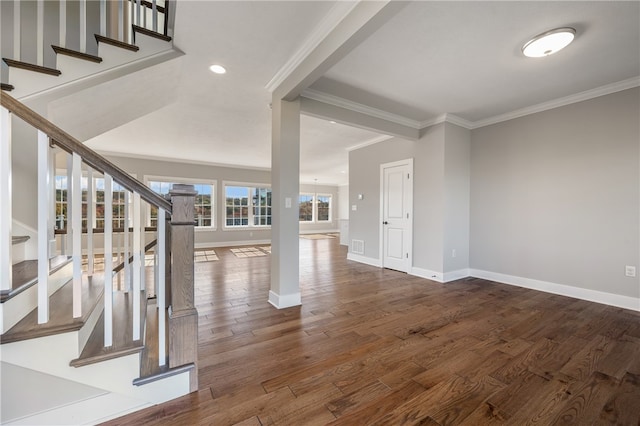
[143,167]
[555,195]
[439,186]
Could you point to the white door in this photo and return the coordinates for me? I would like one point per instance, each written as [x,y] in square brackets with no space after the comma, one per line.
[397,214]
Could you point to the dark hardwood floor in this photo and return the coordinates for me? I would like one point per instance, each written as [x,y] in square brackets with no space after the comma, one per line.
[378,347]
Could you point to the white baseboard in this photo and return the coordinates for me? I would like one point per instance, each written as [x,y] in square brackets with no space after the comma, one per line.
[363,259]
[617,300]
[318,231]
[456,275]
[428,274]
[231,243]
[285,300]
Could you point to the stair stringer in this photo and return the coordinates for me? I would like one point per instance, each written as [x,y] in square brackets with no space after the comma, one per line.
[14,309]
[115,62]
[51,355]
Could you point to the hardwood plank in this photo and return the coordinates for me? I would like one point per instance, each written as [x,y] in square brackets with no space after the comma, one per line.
[25,274]
[352,353]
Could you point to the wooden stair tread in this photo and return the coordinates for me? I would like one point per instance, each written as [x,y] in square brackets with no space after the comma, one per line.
[32,67]
[25,274]
[6,87]
[117,43]
[150,33]
[60,312]
[123,343]
[148,4]
[75,54]
[17,239]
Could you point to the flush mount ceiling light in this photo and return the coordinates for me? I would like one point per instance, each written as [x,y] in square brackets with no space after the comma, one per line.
[548,43]
[218,69]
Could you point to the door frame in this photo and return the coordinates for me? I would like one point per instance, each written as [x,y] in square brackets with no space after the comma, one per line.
[409,240]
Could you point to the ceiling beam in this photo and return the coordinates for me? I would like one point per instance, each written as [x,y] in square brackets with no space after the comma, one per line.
[319,109]
[357,23]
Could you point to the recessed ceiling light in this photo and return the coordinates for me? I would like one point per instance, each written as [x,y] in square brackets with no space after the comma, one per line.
[332,122]
[218,69]
[548,43]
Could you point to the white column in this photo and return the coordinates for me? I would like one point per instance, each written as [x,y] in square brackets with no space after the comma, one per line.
[63,23]
[83,26]
[16,30]
[137,266]
[108,260]
[76,225]
[40,32]
[285,187]
[5,194]
[43,228]
[160,295]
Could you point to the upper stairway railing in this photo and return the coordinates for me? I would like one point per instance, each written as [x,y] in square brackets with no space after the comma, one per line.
[173,275]
[38,30]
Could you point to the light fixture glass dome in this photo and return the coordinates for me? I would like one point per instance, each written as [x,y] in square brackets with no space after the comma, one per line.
[218,69]
[548,43]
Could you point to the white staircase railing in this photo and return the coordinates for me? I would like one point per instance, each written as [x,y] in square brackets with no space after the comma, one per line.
[108,18]
[183,323]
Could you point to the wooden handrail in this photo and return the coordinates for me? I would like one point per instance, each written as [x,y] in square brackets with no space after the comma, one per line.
[90,157]
[148,247]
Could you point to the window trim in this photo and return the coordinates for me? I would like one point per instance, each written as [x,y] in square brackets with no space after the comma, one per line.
[250,206]
[187,181]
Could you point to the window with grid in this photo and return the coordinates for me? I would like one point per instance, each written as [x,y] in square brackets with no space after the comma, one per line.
[306,208]
[323,206]
[204,201]
[119,203]
[247,206]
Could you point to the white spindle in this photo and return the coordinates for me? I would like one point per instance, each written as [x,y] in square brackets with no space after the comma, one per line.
[121,20]
[76,225]
[161,287]
[16,30]
[63,23]
[40,32]
[5,195]
[43,228]
[154,15]
[125,236]
[91,205]
[67,220]
[52,201]
[137,267]
[138,12]
[108,260]
[83,26]
[103,17]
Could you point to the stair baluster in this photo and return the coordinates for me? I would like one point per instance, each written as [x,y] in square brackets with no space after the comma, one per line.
[5,196]
[108,260]
[43,227]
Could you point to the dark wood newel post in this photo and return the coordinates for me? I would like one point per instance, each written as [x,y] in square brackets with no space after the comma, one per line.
[183,316]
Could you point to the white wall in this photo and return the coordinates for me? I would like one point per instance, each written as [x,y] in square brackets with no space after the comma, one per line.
[555,196]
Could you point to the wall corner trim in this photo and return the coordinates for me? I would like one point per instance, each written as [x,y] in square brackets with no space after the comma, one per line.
[284,300]
[364,259]
[596,296]
[427,274]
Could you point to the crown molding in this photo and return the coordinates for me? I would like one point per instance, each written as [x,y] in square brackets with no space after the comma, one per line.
[178,160]
[448,118]
[361,108]
[337,13]
[373,141]
[567,100]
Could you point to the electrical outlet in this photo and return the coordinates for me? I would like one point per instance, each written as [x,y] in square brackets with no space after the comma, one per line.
[630,271]
[453,253]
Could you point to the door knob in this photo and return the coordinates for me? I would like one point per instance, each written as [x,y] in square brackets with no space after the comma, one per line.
[385,223]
